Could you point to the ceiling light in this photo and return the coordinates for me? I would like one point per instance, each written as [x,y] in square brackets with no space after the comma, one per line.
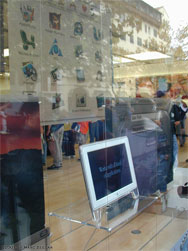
[120,60]
[149,55]
[6,52]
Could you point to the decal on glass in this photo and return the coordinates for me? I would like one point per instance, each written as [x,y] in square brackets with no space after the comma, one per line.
[54,21]
[26,41]
[29,71]
[55,50]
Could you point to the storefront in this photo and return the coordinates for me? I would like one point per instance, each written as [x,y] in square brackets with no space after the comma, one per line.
[94,96]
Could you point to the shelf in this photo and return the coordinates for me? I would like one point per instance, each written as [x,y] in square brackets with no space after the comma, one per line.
[111,217]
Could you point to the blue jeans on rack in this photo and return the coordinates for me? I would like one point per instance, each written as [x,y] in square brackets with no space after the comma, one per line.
[94,131]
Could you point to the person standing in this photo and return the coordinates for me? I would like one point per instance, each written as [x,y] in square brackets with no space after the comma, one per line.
[44,129]
[93,131]
[69,140]
[183,109]
[81,136]
[174,122]
[55,145]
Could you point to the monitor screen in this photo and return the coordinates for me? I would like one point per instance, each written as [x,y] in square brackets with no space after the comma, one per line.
[108,171]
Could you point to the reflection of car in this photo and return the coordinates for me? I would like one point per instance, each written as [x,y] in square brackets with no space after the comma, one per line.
[29,71]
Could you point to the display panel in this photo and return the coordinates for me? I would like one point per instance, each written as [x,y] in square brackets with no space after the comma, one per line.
[21,180]
[108,171]
[137,119]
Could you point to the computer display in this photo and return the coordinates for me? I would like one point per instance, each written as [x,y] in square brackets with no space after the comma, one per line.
[108,171]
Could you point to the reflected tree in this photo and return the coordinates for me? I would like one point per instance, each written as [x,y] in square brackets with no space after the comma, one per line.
[164,44]
[181,39]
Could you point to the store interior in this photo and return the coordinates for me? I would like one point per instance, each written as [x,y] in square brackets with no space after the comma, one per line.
[157,229]
[89,67]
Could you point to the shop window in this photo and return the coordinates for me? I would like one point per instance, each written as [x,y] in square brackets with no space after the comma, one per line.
[123,37]
[149,29]
[139,41]
[146,28]
[131,39]
[155,32]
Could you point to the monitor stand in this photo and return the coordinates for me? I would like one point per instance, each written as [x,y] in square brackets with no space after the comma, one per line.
[97,216]
[135,193]
[108,217]
[118,211]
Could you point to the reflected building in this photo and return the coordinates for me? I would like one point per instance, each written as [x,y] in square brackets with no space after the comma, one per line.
[137,26]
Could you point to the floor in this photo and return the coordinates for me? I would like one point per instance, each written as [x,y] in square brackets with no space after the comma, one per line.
[158,229]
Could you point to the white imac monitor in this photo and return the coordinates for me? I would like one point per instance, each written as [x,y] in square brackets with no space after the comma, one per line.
[108,171]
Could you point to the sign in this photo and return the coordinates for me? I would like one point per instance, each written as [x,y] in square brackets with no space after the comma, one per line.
[61,52]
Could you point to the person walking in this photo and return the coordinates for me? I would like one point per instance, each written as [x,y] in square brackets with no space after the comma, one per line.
[55,132]
[81,136]
[183,109]
[174,122]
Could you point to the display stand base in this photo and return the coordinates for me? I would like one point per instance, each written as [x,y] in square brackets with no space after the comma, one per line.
[107,218]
